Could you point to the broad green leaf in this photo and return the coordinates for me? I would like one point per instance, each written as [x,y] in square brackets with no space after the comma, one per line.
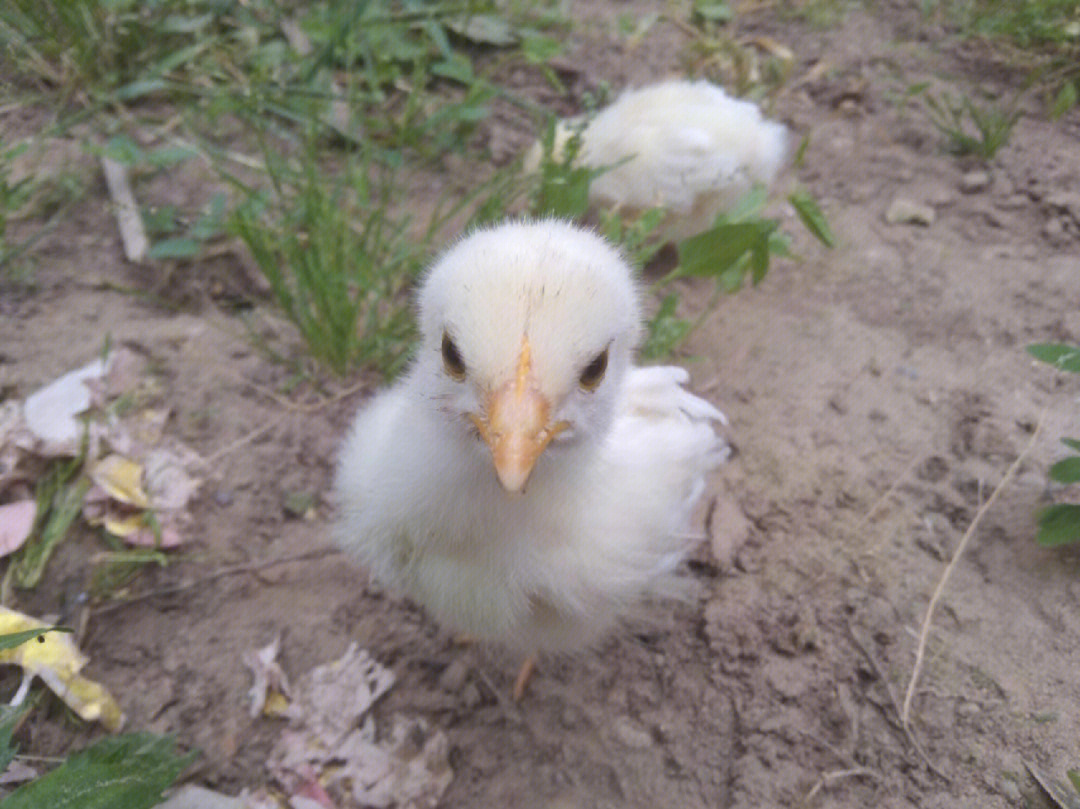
[1058,525]
[140,88]
[1065,357]
[1067,470]
[812,217]
[712,253]
[168,156]
[179,247]
[457,68]
[1072,443]
[759,262]
[748,206]
[714,10]
[1074,778]
[14,639]
[177,24]
[539,48]
[212,221]
[731,280]
[129,771]
[123,149]
[484,29]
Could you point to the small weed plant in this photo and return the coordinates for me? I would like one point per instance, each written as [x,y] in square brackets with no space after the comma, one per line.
[1040,37]
[739,244]
[969,128]
[338,262]
[1059,524]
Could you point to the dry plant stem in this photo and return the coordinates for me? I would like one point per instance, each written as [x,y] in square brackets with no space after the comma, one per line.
[895,720]
[132,232]
[210,460]
[924,631]
[827,778]
[887,494]
[247,567]
[525,674]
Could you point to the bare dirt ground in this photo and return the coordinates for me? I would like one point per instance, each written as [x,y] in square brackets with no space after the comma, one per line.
[877,392]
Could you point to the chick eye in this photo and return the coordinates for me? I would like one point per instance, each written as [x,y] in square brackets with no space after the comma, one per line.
[451,357]
[593,374]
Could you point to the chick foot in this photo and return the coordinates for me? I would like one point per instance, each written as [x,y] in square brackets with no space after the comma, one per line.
[528,668]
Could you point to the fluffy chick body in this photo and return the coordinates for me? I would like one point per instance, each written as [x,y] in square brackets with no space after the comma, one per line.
[683,145]
[604,518]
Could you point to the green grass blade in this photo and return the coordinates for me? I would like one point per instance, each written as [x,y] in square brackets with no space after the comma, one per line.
[64,508]
[14,639]
[812,217]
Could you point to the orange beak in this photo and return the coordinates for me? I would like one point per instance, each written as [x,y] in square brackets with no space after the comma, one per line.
[517,429]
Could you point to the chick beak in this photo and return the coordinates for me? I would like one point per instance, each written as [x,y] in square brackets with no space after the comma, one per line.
[517,429]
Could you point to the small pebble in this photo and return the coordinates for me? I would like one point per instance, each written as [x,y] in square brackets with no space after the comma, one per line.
[1011,791]
[454,675]
[908,212]
[974,181]
[1067,202]
[470,696]
[631,734]
[223,497]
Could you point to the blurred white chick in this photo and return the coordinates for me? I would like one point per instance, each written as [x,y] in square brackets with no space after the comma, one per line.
[684,145]
[524,481]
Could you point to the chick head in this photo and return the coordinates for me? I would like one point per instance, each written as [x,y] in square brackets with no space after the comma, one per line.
[527,332]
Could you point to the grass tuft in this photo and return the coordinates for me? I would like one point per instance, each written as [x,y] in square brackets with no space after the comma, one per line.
[338,263]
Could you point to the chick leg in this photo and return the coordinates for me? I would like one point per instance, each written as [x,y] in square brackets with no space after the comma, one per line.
[528,668]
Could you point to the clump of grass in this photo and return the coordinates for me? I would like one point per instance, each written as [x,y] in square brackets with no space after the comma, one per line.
[338,261]
[398,73]
[1042,37]
[14,195]
[969,128]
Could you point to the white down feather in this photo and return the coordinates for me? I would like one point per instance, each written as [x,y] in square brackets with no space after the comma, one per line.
[684,145]
[605,517]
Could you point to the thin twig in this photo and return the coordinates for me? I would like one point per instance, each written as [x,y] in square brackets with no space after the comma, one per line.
[245,439]
[132,231]
[895,718]
[232,570]
[300,407]
[827,778]
[900,480]
[924,632]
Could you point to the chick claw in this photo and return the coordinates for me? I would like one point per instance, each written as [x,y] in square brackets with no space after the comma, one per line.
[528,668]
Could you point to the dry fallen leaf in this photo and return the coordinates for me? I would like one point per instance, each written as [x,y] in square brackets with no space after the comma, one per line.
[269,693]
[57,661]
[121,478]
[410,770]
[51,411]
[334,736]
[168,484]
[191,796]
[17,772]
[16,521]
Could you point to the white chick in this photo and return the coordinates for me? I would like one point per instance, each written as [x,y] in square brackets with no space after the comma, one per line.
[683,145]
[524,481]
